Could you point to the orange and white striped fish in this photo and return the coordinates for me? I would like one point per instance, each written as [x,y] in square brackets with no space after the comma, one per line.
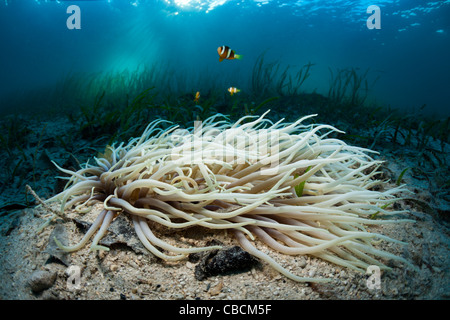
[226,53]
[233,90]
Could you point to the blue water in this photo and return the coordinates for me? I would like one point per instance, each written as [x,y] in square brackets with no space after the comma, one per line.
[410,52]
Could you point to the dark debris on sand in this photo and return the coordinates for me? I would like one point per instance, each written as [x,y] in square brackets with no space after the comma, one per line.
[225,261]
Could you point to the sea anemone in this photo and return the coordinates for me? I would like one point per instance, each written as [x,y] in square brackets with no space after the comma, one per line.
[288,185]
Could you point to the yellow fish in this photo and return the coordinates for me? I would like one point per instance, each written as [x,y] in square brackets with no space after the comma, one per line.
[197,97]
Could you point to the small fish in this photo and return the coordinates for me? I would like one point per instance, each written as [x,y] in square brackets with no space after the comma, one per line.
[197,97]
[226,53]
[233,90]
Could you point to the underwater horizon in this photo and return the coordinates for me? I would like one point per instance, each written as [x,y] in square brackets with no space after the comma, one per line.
[406,58]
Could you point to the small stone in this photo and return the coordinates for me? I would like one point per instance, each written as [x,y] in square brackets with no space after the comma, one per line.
[217,289]
[114,267]
[133,264]
[302,262]
[102,254]
[41,280]
[179,296]
[222,295]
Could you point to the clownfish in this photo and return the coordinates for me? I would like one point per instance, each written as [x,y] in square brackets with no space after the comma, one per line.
[197,97]
[226,53]
[233,90]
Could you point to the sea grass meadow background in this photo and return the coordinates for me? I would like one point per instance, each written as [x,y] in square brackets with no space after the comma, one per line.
[125,46]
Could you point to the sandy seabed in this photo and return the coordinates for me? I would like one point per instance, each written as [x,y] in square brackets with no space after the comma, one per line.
[32,269]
